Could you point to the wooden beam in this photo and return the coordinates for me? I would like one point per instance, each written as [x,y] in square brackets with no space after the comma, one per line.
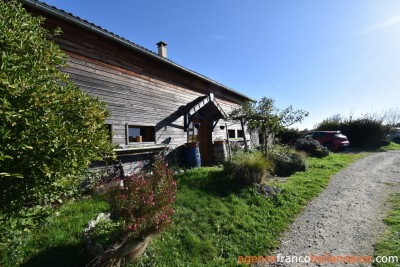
[246,147]
[227,140]
[215,124]
[185,122]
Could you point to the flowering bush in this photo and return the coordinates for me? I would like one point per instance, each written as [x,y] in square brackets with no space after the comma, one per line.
[144,202]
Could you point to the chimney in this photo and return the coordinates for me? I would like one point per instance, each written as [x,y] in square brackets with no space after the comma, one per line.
[162,49]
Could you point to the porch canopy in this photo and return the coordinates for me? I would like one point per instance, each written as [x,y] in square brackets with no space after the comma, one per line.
[209,108]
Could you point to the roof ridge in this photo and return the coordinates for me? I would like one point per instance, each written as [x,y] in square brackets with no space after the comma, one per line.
[76,19]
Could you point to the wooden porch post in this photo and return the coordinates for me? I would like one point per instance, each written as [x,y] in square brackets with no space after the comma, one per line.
[227,139]
[246,147]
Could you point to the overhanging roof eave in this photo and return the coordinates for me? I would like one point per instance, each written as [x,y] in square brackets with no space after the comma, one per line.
[97,29]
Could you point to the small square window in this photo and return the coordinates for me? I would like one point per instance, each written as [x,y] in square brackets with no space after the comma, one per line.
[137,134]
[240,133]
[232,133]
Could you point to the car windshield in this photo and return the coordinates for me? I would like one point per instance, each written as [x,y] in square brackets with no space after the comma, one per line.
[340,135]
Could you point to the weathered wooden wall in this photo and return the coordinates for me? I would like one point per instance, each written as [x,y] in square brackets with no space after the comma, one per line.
[137,88]
[136,99]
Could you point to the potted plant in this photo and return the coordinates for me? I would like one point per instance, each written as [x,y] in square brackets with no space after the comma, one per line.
[141,206]
[219,141]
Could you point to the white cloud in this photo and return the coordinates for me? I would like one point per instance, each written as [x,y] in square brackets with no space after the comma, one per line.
[380,25]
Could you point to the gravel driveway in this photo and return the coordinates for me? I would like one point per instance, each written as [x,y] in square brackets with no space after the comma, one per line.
[347,217]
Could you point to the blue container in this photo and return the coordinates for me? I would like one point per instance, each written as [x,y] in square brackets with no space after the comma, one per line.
[192,156]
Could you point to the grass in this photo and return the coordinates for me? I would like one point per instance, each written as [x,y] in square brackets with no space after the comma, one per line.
[59,241]
[215,221]
[389,245]
[391,146]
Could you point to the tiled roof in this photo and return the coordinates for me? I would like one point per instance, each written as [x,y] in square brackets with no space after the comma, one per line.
[95,28]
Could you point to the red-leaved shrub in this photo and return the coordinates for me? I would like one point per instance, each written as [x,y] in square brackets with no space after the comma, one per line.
[144,201]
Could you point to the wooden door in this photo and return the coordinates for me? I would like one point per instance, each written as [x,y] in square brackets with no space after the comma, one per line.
[204,138]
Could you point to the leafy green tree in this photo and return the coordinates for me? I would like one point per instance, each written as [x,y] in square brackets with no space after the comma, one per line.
[50,130]
[266,119]
[332,123]
[243,115]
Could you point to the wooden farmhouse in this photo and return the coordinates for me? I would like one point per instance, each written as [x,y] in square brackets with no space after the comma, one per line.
[155,103]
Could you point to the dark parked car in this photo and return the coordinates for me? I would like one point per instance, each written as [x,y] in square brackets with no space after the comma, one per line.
[394,136]
[333,140]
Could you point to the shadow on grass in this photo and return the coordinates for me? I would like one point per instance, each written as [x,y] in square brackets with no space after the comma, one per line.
[60,256]
[211,180]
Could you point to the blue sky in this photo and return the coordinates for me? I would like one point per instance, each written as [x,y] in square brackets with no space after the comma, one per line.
[327,57]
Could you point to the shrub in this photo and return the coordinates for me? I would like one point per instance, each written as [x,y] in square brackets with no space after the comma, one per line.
[365,132]
[311,147]
[362,132]
[287,161]
[285,135]
[331,124]
[145,201]
[248,168]
[235,147]
[49,129]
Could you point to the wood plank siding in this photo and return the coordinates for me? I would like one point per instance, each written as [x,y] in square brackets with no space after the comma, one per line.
[139,100]
[138,87]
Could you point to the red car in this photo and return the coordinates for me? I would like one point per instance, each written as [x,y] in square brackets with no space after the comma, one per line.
[333,140]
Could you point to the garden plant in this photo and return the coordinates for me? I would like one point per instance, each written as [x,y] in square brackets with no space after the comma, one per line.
[312,147]
[286,160]
[248,168]
[50,131]
[141,205]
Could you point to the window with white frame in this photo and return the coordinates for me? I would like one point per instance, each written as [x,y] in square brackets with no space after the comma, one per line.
[240,134]
[232,133]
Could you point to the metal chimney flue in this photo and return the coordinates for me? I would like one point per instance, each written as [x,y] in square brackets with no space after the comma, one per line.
[162,49]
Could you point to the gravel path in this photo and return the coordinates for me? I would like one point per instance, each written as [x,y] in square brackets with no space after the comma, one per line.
[347,217]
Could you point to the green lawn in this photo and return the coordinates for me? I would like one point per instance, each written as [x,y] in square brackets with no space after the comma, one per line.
[59,241]
[215,221]
[391,146]
[389,245]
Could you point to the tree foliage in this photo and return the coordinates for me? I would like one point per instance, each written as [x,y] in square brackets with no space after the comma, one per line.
[49,129]
[264,117]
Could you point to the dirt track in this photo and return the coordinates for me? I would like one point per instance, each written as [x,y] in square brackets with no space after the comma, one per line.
[347,217]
